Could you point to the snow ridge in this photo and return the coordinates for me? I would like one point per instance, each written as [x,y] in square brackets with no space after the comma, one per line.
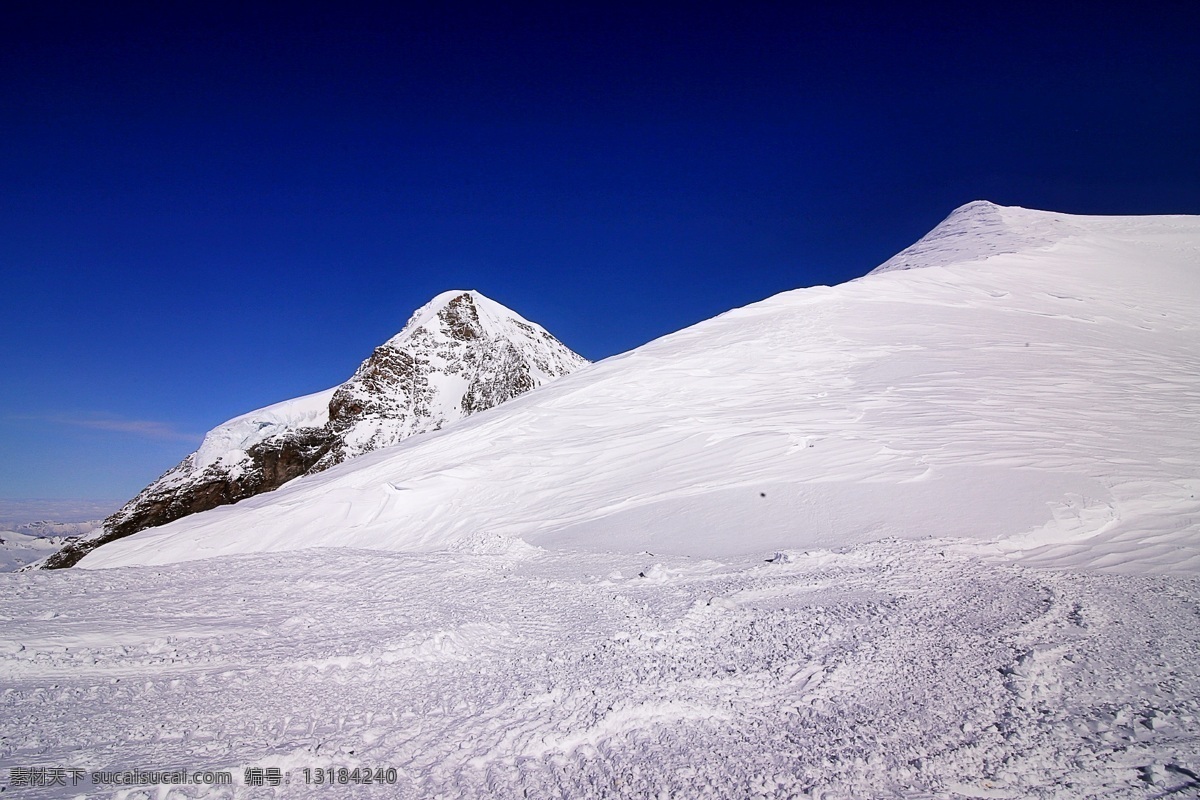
[980,230]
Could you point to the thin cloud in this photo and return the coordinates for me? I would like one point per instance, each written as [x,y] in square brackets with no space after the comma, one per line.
[145,428]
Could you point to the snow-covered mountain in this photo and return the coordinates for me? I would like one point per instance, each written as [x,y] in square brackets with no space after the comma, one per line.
[19,548]
[1023,380]
[459,354]
[578,594]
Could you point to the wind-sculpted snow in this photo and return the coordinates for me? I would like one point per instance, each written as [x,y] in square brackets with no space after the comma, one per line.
[895,669]
[459,354]
[1033,390]
[981,230]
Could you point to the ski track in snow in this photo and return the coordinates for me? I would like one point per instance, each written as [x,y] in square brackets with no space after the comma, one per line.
[892,669]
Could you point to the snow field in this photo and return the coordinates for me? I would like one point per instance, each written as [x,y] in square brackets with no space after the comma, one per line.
[892,669]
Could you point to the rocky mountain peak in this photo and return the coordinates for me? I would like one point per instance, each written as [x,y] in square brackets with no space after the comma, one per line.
[461,318]
[459,354]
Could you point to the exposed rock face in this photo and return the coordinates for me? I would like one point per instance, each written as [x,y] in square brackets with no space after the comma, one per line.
[460,354]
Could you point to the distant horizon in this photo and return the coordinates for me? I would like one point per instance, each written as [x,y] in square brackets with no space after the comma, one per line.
[24,510]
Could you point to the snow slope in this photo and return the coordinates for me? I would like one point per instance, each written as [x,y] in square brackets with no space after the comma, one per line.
[230,442]
[1025,382]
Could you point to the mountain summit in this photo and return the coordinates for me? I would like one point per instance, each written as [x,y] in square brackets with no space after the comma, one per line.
[980,230]
[459,354]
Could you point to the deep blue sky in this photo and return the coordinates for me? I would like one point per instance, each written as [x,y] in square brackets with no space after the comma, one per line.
[209,208]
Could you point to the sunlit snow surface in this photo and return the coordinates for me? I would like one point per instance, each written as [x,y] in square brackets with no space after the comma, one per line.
[892,670]
[980,476]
